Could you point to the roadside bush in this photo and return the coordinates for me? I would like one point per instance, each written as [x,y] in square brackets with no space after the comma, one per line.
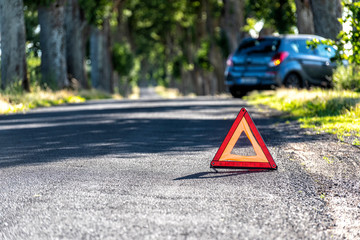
[123,59]
[347,78]
[33,65]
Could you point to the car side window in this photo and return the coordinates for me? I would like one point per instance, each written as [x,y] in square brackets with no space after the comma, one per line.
[294,47]
[325,51]
[304,48]
[300,46]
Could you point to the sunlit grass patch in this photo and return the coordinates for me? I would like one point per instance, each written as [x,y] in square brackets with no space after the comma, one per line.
[20,101]
[331,111]
[95,94]
[135,94]
[6,107]
[11,103]
[167,92]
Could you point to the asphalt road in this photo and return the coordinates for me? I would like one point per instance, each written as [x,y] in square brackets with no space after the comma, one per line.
[140,170]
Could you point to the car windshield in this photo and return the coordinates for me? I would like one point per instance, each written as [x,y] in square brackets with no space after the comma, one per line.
[261,45]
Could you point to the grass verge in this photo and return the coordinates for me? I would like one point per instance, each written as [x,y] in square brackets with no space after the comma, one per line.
[12,103]
[22,102]
[336,112]
[167,92]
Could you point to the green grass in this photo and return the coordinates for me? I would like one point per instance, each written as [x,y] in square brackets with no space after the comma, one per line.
[15,99]
[167,92]
[95,94]
[332,111]
[21,102]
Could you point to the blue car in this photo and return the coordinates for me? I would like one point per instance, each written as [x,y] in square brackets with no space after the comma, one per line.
[268,62]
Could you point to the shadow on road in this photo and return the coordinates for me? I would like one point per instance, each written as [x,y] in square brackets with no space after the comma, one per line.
[219,174]
[116,128]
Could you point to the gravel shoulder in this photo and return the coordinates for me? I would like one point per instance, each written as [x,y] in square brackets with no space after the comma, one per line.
[335,168]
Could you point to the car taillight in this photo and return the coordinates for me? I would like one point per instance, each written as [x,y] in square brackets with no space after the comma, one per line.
[278,58]
[229,61]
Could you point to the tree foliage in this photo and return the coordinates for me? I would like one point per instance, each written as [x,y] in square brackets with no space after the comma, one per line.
[122,58]
[32,31]
[180,42]
[279,15]
[348,47]
[163,32]
[96,10]
[350,37]
[37,3]
[348,40]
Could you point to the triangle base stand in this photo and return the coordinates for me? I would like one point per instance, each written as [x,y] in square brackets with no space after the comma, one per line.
[244,165]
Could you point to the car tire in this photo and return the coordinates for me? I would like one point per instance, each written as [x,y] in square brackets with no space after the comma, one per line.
[237,92]
[293,80]
[330,85]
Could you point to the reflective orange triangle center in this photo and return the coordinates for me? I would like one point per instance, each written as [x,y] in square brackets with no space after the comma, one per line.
[243,127]
[224,157]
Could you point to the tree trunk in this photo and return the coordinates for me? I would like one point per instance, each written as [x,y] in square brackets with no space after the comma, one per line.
[187,85]
[75,25]
[100,56]
[199,82]
[200,34]
[233,21]
[95,57]
[218,62]
[326,14]
[305,20]
[122,32]
[13,59]
[216,77]
[52,44]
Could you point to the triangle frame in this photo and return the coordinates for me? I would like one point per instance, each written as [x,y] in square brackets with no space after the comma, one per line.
[224,159]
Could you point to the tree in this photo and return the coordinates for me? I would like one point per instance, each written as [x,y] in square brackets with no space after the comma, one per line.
[347,44]
[13,59]
[305,19]
[319,17]
[326,14]
[52,43]
[180,42]
[76,36]
[233,21]
[278,16]
[98,14]
[101,58]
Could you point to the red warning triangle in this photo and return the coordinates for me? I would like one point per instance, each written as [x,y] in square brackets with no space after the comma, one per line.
[224,159]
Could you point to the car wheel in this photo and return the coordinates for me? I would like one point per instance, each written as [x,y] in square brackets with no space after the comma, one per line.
[293,80]
[237,93]
[330,85]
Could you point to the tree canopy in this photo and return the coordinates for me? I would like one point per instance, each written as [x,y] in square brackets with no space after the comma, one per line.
[178,43]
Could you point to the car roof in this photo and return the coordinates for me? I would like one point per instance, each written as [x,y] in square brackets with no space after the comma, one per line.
[301,36]
[289,36]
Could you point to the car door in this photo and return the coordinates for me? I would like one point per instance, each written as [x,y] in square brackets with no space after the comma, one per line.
[326,53]
[314,66]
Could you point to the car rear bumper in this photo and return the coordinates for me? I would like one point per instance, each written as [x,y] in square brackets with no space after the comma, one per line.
[264,80]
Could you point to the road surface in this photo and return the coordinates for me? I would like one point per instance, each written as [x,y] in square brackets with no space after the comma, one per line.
[140,170]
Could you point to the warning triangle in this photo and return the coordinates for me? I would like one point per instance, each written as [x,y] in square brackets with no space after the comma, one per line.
[225,159]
